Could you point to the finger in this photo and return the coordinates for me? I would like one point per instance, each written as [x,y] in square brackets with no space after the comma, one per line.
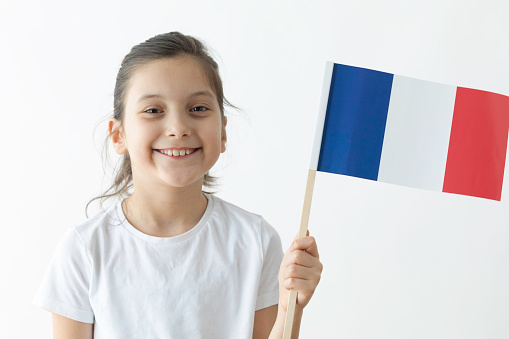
[300,285]
[301,272]
[307,244]
[300,257]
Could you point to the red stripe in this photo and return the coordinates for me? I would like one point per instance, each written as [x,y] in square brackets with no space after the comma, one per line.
[478,144]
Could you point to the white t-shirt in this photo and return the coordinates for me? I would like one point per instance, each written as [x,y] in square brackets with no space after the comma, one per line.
[205,283]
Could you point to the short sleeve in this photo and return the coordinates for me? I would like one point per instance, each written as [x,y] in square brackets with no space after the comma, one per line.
[268,288]
[65,287]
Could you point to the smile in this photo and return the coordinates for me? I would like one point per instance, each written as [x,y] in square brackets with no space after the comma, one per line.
[177,152]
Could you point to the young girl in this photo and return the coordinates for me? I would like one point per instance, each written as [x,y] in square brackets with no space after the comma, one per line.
[171,261]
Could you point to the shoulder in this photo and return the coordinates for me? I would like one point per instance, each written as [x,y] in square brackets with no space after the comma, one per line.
[231,213]
[229,210]
[96,229]
[102,220]
[240,218]
[76,250]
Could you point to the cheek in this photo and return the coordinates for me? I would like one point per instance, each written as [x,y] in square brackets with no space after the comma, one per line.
[210,131]
[140,137]
[216,139]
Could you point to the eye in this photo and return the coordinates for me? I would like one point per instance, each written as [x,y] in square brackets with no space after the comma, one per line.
[199,109]
[152,109]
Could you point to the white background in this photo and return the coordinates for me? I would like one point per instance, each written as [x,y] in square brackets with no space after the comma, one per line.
[399,262]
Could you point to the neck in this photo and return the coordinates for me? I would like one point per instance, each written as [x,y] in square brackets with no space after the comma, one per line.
[165,212]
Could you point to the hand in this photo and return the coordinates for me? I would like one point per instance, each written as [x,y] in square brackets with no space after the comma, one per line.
[301,270]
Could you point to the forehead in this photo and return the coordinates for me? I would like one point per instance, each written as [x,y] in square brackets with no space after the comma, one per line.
[169,77]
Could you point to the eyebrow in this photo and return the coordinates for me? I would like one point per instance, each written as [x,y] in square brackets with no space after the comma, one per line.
[196,94]
[149,96]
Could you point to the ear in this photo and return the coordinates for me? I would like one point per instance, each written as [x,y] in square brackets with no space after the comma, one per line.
[223,135]
[116,135]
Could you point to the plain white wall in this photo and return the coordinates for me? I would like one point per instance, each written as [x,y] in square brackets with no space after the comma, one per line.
[399,262]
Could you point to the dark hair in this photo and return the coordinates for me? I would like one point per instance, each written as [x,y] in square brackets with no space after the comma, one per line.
[167,45]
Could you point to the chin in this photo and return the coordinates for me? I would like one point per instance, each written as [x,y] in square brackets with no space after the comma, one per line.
[184,182]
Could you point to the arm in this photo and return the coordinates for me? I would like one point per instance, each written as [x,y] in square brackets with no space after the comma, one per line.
[264,321]
[270,323]
[66,328]
[301,270]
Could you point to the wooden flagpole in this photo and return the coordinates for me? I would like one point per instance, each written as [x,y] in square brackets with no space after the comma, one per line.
[292,300]
[313,166]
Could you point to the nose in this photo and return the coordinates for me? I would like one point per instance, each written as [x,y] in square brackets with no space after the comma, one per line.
[178,125]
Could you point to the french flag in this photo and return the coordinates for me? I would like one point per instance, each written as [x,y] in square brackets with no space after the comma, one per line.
[399,130]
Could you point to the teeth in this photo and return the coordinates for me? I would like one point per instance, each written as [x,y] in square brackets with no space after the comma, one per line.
[177,153]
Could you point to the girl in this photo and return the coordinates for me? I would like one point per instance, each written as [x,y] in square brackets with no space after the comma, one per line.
[170,260]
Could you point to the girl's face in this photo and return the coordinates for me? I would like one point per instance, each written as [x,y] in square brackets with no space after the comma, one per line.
[171,108]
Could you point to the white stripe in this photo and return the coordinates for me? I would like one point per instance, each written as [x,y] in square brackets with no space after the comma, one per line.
[320,120]
[417,133]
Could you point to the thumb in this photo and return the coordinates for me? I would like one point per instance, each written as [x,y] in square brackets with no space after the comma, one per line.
[295,239]
[297,235]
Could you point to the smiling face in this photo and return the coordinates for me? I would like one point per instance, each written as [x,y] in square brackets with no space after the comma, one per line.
[170,109]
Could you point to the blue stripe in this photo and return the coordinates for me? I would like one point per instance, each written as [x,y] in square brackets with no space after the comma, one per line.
[355,122]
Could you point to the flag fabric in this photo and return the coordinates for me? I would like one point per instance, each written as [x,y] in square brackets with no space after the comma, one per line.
[399,130]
